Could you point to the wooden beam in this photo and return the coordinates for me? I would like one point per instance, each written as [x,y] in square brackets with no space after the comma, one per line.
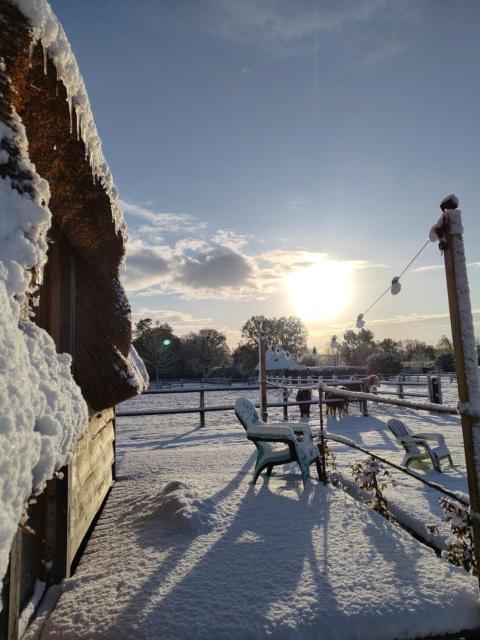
[461,320]
[11,591]
[262,372]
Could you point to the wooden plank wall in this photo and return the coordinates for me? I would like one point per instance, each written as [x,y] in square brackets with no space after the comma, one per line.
[91,476]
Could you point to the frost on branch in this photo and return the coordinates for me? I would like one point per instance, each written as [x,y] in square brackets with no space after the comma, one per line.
[374,478]
[460,549]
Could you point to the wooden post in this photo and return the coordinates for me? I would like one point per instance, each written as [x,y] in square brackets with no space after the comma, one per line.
[434,384]
[364,403]
[202,407]
[450,232]
[400,387]
[11,591]
[323,462]
[437,390]
[285,405]
[262,372]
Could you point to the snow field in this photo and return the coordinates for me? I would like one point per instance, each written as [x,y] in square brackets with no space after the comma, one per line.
[187,548]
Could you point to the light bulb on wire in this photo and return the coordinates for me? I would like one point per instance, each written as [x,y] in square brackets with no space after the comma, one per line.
[396,286]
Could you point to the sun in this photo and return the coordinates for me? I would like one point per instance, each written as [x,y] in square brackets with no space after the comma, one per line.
[320,291]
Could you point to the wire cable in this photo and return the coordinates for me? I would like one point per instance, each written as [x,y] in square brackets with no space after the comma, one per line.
[384,293]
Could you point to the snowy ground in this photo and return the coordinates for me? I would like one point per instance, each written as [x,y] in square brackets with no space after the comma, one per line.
[187,548]
[411,502]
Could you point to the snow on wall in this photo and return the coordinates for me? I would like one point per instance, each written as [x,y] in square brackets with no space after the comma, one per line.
[138,375]
[42,414]
[49,32]
[23,232]
[42,411]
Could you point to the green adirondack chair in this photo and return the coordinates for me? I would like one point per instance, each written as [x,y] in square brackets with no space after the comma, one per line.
[418,446]
[296,438]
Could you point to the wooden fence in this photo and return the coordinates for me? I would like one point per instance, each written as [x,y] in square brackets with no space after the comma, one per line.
[362,398]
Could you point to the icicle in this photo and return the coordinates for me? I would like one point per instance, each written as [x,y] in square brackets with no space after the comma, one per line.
[44,60]
[30,49]
[70,108]
[79,125]
[56,90]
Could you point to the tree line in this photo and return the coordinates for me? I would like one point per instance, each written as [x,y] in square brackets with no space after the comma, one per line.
[206,352]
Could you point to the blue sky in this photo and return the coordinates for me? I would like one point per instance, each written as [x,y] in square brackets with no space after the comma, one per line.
[268,153]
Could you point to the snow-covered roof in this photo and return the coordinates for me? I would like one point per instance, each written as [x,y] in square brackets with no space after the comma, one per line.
[42,411]
[47,30]
[51,154]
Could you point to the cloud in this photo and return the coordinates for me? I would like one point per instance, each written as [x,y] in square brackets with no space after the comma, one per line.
[440,267]
[145,264]
[216,269]
[160,220]
[212,265]
[192,268]
[414,318]
[183,323]
[170,316]
[284,28]
[429,267]
[231,239]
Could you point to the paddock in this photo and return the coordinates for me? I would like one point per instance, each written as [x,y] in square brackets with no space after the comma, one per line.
[187,545]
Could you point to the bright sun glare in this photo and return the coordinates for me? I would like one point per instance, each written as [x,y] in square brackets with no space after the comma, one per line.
[319,292]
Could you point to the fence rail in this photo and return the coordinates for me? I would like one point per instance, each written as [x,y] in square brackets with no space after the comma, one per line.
[455,495]
[361,397]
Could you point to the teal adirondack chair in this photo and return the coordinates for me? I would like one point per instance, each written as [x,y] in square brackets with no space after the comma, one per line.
[266,438]
[418,447]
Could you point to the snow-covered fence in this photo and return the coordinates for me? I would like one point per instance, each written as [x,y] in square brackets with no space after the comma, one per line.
[429,388]
[202,408]
[459,497]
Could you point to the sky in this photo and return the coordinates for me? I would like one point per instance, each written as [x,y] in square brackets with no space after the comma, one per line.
[286,157]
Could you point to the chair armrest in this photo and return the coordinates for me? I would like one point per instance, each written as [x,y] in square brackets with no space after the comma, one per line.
[272,431]
[430,436]
[296,427]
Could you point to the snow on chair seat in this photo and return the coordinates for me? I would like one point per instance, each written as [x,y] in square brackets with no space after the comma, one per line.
[417,446]
[266,438]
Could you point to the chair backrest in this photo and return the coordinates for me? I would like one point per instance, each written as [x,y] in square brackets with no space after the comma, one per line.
[398,428]
[246,412]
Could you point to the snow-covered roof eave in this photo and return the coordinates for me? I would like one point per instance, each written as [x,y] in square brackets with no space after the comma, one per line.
[47,30]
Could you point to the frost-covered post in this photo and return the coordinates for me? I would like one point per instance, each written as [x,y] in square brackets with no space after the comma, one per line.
[449,231]
[262,373]
[322,433]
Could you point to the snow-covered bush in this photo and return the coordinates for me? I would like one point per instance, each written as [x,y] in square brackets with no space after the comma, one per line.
[371,476]
[460,548]
[384,363]
[446,362]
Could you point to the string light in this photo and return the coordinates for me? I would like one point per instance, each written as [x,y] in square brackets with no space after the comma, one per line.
[394,288]
[360,323]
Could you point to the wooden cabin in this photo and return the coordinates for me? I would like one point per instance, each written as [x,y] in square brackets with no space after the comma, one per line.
[81,304]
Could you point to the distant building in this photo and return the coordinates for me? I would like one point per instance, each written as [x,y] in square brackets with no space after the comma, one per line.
[278,359]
